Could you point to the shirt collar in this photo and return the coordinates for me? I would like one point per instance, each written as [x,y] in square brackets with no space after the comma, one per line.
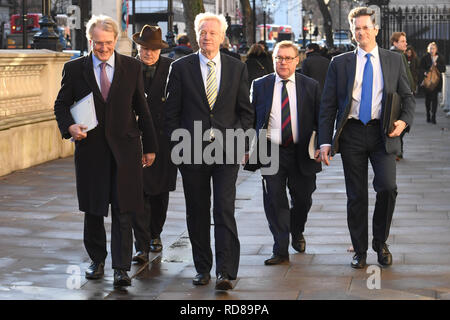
[291,78]
[96,61]
[205,60]
[362,53]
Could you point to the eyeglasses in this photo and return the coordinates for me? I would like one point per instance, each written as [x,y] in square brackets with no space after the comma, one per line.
[365,28]
[286,59]
[102,44]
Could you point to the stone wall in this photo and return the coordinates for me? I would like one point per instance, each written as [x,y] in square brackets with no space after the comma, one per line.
[29,83]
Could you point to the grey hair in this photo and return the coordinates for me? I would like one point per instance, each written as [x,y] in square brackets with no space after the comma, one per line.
[209,16]
[103,22]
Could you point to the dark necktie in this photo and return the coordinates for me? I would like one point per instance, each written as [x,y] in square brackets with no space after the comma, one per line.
[286,128]
[365,106]
[104,81]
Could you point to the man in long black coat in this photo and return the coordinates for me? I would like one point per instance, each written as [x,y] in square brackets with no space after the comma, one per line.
[160,178]
[108,158]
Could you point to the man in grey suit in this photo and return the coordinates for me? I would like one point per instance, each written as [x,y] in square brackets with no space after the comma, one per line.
[354,96]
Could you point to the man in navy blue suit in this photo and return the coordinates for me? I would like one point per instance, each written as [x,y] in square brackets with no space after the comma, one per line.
[354,97]
[287,105]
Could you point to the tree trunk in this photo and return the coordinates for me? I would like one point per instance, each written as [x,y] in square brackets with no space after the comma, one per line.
[191,8]
[327,23]
[247,13]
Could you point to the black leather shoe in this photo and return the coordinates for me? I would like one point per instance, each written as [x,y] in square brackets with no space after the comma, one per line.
[299,243]
[359,261]
[156,245]
[384,255]
[141,257]
[201,279]
[223,282]
[95,271]
[121,278]
[275,259]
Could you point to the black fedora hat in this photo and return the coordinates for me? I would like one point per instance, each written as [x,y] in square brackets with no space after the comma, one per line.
[150,37]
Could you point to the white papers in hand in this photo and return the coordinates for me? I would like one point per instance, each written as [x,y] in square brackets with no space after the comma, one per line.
[83,112]
[312,145]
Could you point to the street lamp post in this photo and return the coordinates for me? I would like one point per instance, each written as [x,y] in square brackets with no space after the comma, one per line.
[24,25]
[170,36]
[46,38]
[303,28]
[310,15]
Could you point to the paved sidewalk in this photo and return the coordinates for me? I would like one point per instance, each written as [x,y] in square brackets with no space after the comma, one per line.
[42,254]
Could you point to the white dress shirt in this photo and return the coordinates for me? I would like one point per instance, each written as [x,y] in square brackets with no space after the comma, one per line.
[274,127]
[204,68]
[109,69]
[377,87]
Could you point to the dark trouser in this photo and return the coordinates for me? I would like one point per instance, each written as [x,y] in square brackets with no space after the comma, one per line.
[358,145]
[121,233]
[282,219]
[149,224]
[431,102]
[197,192]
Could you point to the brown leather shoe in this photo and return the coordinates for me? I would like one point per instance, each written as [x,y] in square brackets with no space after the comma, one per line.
[299,243]
[140,257]
[276,259]
[156,245]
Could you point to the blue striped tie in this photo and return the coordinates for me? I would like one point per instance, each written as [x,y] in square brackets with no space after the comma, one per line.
[211,84]
[365,106]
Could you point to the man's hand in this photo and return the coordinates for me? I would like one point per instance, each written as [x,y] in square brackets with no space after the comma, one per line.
[245,158]
[317,156]
[325,152]
[148,159]
[76,131]
[399,126]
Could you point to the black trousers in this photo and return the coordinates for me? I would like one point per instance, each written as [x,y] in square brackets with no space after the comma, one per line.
[197,192]
[121,233]
[360,143]
[149,224]
[283,219]
[431,102]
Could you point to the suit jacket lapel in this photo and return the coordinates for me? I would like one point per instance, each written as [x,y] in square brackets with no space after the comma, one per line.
[89,76]
[196,72]
[269,86]
[300,89]
[224,76]
[351,73]
[118,70]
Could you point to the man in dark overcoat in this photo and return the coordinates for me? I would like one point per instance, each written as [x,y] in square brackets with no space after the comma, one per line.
[160,178]
[108,158]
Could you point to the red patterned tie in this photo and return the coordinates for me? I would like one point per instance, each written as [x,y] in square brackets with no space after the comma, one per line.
[104,81]
[286,129]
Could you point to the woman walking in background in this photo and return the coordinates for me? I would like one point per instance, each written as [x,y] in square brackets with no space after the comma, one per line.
[413,62]
[430,59]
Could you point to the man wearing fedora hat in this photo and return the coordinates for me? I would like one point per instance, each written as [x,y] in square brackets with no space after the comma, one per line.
[160,178]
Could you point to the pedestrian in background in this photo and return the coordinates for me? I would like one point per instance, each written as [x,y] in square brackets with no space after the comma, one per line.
[432,59]
[182,49]
[108,158]
[160,178]
[315,65]
[414,63]
[399,44]
[225,48]
[259,62]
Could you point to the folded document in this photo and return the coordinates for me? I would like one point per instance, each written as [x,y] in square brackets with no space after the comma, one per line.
[83,112]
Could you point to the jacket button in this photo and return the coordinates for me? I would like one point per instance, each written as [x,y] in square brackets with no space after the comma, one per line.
[163,99]
[211,115]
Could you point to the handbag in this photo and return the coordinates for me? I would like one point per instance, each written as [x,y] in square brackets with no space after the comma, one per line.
[432,79]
